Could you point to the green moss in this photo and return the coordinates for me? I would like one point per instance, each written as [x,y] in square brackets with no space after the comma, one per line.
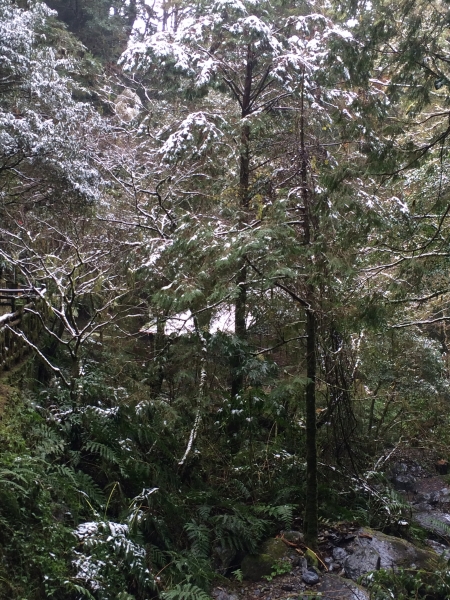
[256,566]
[311,558]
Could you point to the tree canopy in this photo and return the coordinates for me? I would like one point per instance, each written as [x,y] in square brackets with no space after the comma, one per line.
[224,258]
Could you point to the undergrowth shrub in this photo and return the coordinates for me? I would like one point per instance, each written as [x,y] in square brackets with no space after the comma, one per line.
[131,518]
[35,537]
[404,584]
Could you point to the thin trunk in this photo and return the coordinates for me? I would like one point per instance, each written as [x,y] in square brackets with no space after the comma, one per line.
[165,16]
[311,524]
[311,505]
[175,17]
[201,391]
[159,345]
[372,410]
[240,325]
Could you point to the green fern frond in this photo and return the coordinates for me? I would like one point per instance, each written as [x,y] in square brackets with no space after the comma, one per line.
[286,493]
[283,513]
[73,587]
[204,512]
[243,490]
[87,485]
[187,568]
[185,591]
[7,477]
[65,471]
[157,557]
[440,527]
[199,537]
[50,442]
[240,530]
[104,451]
[82,483]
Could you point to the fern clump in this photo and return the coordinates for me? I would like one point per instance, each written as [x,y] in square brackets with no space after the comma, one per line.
[107,559]
[185,591]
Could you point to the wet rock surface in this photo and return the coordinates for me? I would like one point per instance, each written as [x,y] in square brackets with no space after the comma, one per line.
[334,587]
[339,554]
[373,550]
[293,537]
[360,562]
[430,497]
[435,521]
[310,577]
[362,550]
[440,549]
[219,594]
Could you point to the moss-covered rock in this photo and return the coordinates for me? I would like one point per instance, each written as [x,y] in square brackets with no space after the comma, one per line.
[256,566]
[312,559]
[294,537]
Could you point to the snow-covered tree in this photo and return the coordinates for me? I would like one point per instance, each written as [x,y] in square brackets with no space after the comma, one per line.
[50,235]
[45,135]
[274,132]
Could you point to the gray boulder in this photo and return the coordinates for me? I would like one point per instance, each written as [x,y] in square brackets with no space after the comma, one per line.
[435,521]
[363,560]
[339,554]
[374,550]
[310,577]
[333,587]
[295,537]
[404,483]
[219,594]
[440,549]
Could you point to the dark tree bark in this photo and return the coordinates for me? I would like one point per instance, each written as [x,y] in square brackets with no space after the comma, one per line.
[240,325]
[311,505]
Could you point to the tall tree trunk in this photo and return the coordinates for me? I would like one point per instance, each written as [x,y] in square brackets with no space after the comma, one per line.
[240,329]
[311,505]
[240,307]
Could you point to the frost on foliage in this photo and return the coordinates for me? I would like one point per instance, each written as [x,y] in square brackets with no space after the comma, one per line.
[254,29]
[128,105]
[234,5]
[105,546]
[161,49]
[213,43]
[195,135]
[42,129]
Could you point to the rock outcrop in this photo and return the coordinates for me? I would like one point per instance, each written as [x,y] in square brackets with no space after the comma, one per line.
[372,550]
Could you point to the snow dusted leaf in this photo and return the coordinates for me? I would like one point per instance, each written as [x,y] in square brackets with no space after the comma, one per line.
[195,136]
[236,6]
[106,546]
[42,128]
[162,49]
[254,30]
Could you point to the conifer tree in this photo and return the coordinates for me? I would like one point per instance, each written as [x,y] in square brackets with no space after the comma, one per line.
[282,104]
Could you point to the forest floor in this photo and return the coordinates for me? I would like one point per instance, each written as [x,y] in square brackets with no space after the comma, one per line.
[428,496]
[332,586]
